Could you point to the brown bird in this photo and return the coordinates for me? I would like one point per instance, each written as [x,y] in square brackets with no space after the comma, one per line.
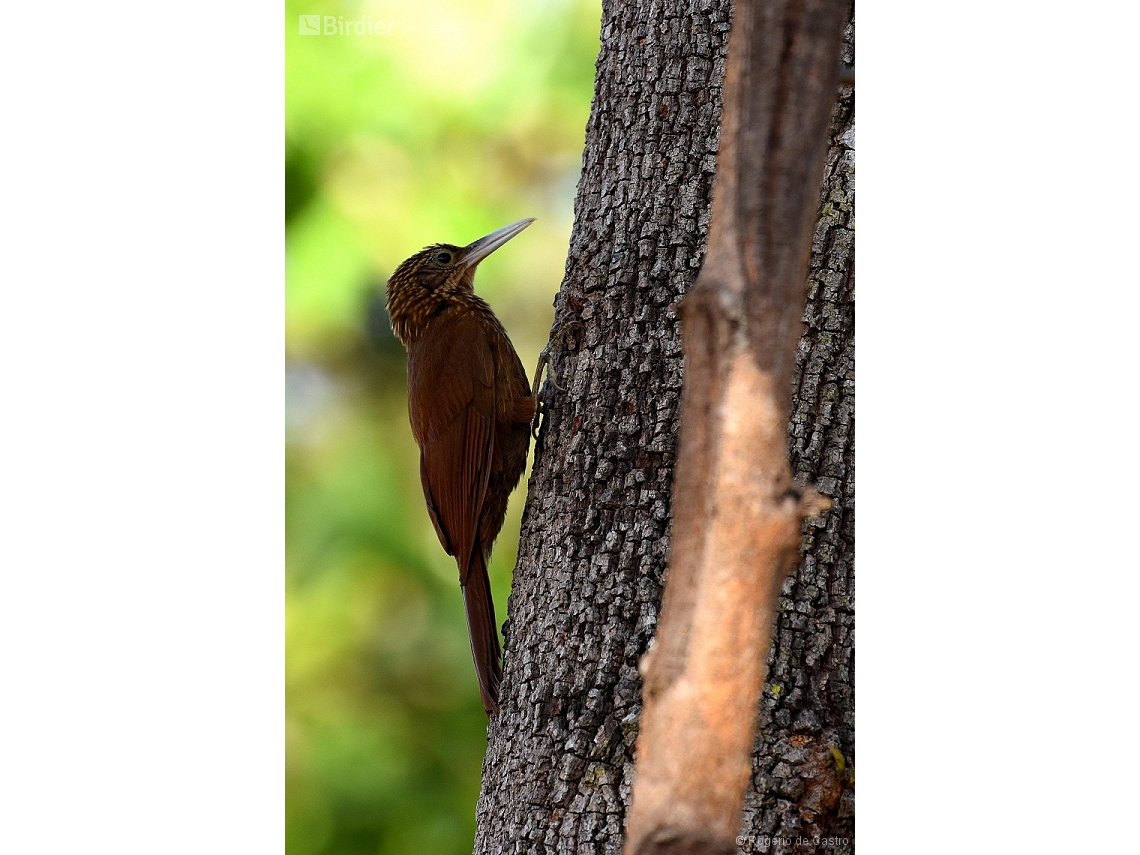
[471,410]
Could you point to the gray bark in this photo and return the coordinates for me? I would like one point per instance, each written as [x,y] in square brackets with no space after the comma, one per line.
[801,789]
[595,531]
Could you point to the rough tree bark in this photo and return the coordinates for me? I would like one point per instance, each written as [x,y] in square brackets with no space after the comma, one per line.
[595,534]
[802,797]
[737,514]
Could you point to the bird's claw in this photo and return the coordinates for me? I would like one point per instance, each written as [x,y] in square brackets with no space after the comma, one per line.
[543,361]
[536,422]
[546,363]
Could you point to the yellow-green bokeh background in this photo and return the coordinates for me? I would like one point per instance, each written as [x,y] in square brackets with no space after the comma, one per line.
[467,116]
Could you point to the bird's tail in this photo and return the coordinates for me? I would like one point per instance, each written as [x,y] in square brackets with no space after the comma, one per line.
[483,630]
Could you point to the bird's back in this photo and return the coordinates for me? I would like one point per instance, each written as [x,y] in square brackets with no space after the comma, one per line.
[464,367]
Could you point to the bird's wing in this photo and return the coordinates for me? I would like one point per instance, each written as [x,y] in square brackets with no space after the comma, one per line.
[451,389]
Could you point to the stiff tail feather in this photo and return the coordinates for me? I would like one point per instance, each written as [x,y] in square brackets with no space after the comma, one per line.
[483,631]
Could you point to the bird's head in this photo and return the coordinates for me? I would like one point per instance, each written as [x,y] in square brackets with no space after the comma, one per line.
[437,274]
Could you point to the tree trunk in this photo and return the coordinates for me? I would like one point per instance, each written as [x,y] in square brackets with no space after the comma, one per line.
[595,531]
[802,797]
[737,515]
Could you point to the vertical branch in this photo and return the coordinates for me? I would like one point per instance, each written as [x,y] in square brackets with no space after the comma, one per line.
[737,513]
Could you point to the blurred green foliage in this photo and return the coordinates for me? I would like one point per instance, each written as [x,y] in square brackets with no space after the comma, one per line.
[467,116]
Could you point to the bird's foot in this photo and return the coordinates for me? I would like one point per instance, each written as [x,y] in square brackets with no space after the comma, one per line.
[536,422]
[545,362]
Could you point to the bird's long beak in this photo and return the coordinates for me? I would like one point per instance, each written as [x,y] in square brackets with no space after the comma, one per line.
[483,247]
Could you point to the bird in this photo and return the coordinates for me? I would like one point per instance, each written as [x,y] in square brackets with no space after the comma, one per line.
[471,409]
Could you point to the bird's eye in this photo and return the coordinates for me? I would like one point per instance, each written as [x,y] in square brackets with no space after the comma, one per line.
[443,257]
